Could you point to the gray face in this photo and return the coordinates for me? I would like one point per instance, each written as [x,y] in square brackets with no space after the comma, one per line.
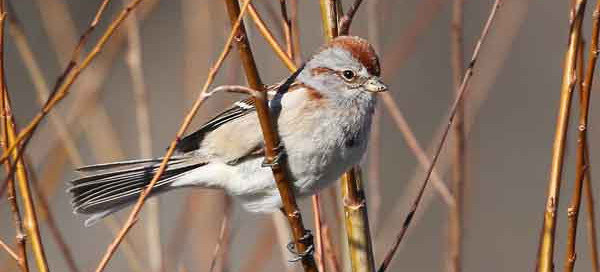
[335,69]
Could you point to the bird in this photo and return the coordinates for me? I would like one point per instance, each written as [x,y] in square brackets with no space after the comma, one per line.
[323,114]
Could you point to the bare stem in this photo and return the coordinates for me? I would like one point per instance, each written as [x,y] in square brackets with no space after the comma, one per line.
[545,261]
[187,121]
[455,220]
[461,91]
[271,140]
[581,162]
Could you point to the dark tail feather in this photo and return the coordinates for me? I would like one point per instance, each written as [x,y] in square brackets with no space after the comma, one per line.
[107,188]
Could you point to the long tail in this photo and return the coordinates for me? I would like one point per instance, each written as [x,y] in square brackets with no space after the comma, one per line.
[107,188]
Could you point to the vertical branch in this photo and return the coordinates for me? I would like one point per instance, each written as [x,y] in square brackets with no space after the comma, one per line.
[355,205]
[573,210]
[202,96]
[546,244]
[452,113]
[591,216]
[4,143]
[316,205]
[297,55]
[374,155]
[357,222]
[30,222]
[581,162]
[346,20]
[287,28]
[302,237]
[329,17]
[133,58]
[455,222]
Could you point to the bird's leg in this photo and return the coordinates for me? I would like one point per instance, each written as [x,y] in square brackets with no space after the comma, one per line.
[279,155]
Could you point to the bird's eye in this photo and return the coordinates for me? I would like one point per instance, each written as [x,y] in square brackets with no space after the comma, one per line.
[348,74]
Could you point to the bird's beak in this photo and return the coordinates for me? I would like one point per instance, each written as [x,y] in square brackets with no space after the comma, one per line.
[375,85]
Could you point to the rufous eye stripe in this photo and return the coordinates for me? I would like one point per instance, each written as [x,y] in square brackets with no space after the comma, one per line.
[320,70]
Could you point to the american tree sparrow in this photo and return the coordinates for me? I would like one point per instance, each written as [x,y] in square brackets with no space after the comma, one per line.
[323,115]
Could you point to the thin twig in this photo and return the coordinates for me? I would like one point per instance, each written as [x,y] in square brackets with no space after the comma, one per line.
[456,212]
[271,141]
[287,28]
[133,58]
[581,162]
[329,251]
[132,218]
[374,151]
[461,91]
[10,251]
[346,21]
[591,216]
[20,237]
[63,84]
[45,213]
[316,206]
[223,233]
[545,261]
[297,54]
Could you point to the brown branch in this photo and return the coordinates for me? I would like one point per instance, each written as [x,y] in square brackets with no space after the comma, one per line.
[5,142]
[456,213]
[258,21]
[347,19]
[316,206]
[133,58]
[329,251]
[297,54]
[374,149]
[223,235]
[546,244]
[30,223]
[132,218]
[10,251]
[461,91]
[63,85]
[45,213]
[271,139]
[581,162]
[591,216]
[287,28]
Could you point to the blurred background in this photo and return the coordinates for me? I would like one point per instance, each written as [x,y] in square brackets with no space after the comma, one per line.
[510,117]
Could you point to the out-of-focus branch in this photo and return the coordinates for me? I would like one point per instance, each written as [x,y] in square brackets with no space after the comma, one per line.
[66,80]
[456,211]
[302,237]
[591,216]
[461,91]
[346,20]
[545,261]
[133,59]
[202,96]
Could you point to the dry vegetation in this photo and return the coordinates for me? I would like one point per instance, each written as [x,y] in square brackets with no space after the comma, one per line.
[337,234]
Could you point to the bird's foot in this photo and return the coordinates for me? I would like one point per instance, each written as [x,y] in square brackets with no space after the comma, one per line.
[306,239]
[279,155]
